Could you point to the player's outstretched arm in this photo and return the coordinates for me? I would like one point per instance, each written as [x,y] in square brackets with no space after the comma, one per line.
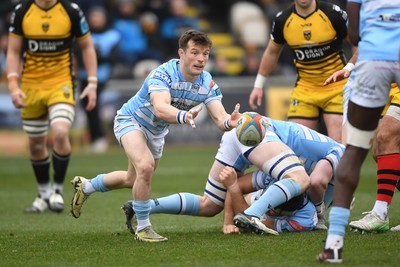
[223,120]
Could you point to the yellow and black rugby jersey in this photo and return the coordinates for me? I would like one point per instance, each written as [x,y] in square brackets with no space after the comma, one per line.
[48,37]
[316,40]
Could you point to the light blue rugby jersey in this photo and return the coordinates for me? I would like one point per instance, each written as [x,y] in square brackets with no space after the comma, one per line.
[304,219]
[184,95]
[309,145]
[379,29]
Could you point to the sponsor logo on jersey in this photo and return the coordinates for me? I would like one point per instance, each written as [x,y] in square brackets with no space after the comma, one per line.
[181,106]
[44,46]
[312,53]
[162,76]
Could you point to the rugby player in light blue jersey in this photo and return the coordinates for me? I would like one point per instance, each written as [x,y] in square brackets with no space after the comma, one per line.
[172,93]
[374,26]
[296,215]
[302,157]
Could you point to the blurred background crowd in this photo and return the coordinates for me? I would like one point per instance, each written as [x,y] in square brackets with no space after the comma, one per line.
[133,36]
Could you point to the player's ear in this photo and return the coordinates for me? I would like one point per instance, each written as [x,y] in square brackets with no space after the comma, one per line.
[181,52]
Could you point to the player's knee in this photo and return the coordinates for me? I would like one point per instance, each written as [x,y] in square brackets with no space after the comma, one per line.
[318,183]
[37,147]
[384,139]
[145,170]
[60,132]
[208,208]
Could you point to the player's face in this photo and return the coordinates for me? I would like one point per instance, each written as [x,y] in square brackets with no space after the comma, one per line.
[304,3]
[193,60]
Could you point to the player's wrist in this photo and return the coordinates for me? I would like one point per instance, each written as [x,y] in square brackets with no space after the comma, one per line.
[12,75]
[92,79]
[349,67]
[260,81]
[227,125]
[181,117]
[13,79]
[92,82]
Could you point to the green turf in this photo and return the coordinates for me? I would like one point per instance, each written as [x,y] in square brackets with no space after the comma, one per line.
[99,237]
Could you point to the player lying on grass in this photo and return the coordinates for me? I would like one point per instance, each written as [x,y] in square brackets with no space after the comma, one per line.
[296,215]
[288,152]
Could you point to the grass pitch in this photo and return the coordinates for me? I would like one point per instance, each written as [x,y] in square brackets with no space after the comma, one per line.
[99,237]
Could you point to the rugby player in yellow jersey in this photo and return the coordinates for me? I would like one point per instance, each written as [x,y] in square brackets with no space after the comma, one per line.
[43,31]
[314,31]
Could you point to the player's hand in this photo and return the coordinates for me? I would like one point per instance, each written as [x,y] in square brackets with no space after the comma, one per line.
[17,98]
[235,116]
[91,93]
[230,229]
[337,76]
[192,114]
[255,99]
[228,176]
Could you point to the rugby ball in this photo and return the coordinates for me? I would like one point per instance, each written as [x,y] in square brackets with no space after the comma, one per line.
[251,128]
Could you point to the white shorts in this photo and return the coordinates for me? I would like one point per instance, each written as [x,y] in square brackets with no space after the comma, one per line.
[125,123]
[372,84]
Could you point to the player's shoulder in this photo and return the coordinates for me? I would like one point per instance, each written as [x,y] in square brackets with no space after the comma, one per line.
[23,6]
[71,7]
[332,9]
[284,14]
[164,72]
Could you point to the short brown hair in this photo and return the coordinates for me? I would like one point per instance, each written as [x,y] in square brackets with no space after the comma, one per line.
[197,37]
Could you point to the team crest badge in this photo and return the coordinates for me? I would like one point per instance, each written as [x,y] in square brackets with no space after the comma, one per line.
[67,91]
[307,35]
[195,88]
[45,27]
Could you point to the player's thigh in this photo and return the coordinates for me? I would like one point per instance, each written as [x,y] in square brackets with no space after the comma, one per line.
[333,123]
[279,161]
[267,151]
[136,148]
